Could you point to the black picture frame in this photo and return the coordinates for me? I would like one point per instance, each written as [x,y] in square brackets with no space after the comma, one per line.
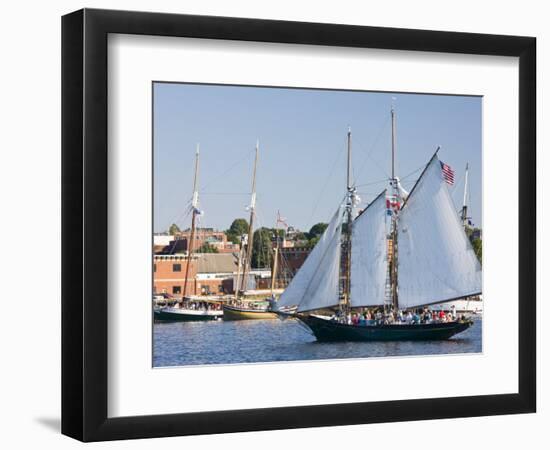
[84,224]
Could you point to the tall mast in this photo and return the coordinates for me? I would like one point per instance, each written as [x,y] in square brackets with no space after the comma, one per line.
[464,215]
[194,206]
[249,243]
[395,195]
[348,182]
[239,267]
[347,235]
[275,261]
[392,143]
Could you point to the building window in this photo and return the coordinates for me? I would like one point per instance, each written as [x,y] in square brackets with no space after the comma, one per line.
[154,267]
[176,267]
[176,289]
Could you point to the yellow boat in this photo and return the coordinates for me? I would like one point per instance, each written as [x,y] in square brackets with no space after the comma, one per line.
[256,310]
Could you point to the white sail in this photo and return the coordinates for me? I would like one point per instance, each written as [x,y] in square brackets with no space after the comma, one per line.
[436,261]
[369,262]
[316,284]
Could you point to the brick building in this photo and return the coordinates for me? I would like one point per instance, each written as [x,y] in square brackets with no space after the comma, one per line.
[209,274]
[180,242]
[290,259]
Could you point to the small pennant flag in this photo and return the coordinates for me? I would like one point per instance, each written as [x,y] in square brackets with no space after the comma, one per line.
[448,173]
[281,220]
[392,204]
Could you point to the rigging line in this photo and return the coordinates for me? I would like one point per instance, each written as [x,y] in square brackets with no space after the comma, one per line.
[179,219]
[183,214]
[230,168]
[225,193]
[372,182]
[327,180]
[411,173]
[373,146]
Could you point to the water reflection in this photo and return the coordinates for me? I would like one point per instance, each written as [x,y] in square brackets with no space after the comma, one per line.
[219,342]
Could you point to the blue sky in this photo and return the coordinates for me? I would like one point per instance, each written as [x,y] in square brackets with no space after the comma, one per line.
[302,161]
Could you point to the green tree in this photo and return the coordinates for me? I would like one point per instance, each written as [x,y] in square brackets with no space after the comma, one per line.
[279,232]
[262,250]
[315,234]
[174,229]
[313,242]
[478,247]
[300,236]
[207,248]
[477,244]
[236,230]
[317,230]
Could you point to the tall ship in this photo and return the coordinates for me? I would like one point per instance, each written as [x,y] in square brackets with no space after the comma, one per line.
[243,306]
[189,308]
[373,275]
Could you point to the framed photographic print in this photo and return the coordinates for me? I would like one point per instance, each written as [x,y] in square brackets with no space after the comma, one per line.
[273,224]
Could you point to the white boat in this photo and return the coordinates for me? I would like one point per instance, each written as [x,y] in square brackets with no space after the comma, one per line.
[186,314]
[463,306]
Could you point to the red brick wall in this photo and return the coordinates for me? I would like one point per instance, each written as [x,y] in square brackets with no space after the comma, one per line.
[165,278]
[215,286]
[290,260]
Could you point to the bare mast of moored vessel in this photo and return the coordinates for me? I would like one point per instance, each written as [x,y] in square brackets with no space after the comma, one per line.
[250,238]
[242,308]
[185,310]
[194,212]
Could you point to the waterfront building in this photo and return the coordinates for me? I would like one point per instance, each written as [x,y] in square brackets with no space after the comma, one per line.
[209,274]
[290,259]
[179,243]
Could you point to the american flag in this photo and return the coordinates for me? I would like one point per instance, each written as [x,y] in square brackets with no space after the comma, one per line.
[448,173]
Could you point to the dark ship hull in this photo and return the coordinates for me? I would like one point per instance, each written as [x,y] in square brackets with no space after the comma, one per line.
[326,330]
[183,315]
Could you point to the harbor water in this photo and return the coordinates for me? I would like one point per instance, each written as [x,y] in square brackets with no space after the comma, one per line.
[251,341]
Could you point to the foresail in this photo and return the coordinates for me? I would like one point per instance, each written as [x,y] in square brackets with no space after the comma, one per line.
[436,261]
[369,262]
[316,284]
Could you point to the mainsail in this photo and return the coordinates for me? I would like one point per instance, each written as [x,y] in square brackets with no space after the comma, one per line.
[316,284]
[369,263]
[436,262]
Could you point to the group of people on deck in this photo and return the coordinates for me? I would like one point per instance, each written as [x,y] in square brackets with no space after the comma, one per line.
[203,306]
[411,317]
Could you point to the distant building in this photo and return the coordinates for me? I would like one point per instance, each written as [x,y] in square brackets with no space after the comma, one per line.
[162,239]
[214,238]
[180,242]
[209,274]
[169,275]
[290,259]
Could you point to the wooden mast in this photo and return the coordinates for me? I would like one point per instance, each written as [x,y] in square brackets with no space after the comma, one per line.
[464,215]
[275,263]
[395,194]
[194,212]
[249,243]
[347,235]
[239,267]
